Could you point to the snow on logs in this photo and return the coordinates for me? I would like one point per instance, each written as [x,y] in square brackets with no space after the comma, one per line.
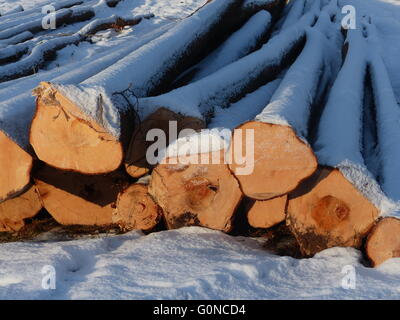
[387,119]
[102,101]
[63,16]
[282,156]
[40,49]
[193,183]
[231,83]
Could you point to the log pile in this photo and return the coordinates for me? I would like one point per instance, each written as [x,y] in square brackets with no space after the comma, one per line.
[288,155]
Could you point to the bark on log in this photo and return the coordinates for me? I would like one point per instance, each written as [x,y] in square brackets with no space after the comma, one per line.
[326,211]
[247,39]
[268,213]
[251,7]
[152,70]
[193,194]
[16,165]
[14,211]
[282,156]
[136,163]
[22,37]
[383,242]
[75,199]
[136,210]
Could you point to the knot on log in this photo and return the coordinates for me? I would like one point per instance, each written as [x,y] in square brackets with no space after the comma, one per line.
[200,192]
[329,212]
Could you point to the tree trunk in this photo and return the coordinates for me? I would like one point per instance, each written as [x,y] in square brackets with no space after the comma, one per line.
[268,213]
[136,210]
[14,211]
[327,211]
[383,242]
[193,194]
[16,165]
[75,199]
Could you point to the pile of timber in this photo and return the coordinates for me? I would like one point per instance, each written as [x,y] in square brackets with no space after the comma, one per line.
[276,78]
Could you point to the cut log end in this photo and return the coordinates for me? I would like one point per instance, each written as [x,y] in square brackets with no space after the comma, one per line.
[328,211]
[196,194]
[281,160]
[136,164]
[76,199]
[383,242]
[16,165]
[13,212]
[136,210]
[268,213]
[64,138]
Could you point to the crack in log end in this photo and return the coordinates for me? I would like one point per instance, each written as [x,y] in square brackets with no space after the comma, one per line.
[329,212]
[184,220]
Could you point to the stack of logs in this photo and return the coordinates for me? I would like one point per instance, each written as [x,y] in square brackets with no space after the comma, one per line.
[86,175]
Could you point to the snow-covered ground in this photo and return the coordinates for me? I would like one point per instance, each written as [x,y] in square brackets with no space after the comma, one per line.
[190,263]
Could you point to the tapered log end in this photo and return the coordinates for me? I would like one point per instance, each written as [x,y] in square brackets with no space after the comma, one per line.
[280,161]
[65,138]
[383,242]
[196,194]
[328,211]
[162,120]
[14,211]
[136,210]
[16,165]
[268,213]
